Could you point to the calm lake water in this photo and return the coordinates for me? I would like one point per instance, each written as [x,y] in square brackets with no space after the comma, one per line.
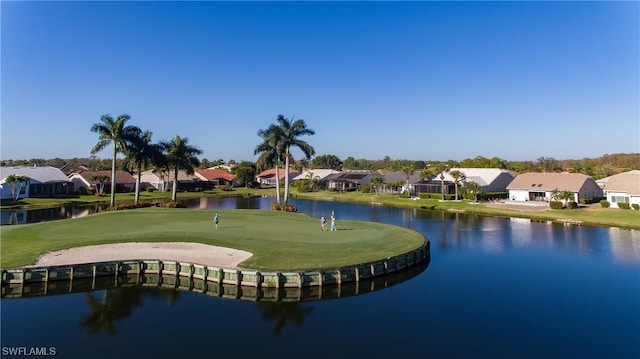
[495,288]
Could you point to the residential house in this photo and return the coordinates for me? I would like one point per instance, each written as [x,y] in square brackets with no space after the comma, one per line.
[490,179]
[186,182]
[153,179]
[538,186]
[623,188]
[125,182]
[216,176]
[268,177]
[317,173]
[401,177]
[348,180]
[44,181]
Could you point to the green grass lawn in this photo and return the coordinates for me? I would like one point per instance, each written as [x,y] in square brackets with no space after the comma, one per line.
[278,240]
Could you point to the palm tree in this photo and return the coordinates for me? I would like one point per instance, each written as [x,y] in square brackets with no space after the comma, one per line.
[377,182]
[457,177]
[181,156]
[114,132]
[286,133]
[141,153]
[441,169]
[408,170]
[473,189]
[271,153]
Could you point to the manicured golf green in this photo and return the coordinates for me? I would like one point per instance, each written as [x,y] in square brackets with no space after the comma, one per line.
[278,240]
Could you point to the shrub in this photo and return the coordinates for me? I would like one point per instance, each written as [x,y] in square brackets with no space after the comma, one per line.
[365,188]
[275,206]
[604,203]
[623,205]
[424,195]
[636,206]
[572,205]
[225,187]
[170,204]
[256,185]
[150,189]
[556,205]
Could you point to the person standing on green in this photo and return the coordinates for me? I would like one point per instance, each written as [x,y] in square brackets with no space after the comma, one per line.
[216,219]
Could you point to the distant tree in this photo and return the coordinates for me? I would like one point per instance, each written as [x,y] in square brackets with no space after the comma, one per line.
[141,152]
[16,182]
[408,170]
[548,164]
[472,190]
[288,133]
[377,182]
[271,153]
[245,173]
[349,163]
[457,177]
[98,181]
[327,161]
[181,156]
[440,169]
[113,132]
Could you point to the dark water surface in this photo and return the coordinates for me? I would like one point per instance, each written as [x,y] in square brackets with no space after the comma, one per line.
[495,288]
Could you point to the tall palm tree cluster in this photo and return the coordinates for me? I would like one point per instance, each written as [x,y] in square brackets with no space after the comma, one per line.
[277,141]
[135,144]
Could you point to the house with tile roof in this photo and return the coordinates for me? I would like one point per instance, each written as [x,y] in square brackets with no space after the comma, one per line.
[44,181]
[125,182]
[538,186]
[623,188]
[216,176]
[268,177]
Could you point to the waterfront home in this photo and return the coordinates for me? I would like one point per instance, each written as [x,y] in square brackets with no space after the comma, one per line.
[623,188]
[348,180]
[43,181]
[153,179]
[125,182]
[316,173]
[539,186]
[215,176]
[268,177]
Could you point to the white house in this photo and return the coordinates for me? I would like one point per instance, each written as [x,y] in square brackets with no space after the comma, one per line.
[317,173]
[125,182]
[490,179]
[152,179]
[623,188]
[538,186]
[44,181]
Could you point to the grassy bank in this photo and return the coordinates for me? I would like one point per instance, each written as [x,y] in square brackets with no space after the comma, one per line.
[278,241]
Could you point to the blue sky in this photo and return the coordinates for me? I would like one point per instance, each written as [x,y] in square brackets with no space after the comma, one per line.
[410,80]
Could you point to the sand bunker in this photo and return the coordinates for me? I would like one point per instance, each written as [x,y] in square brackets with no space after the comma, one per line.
[196,253]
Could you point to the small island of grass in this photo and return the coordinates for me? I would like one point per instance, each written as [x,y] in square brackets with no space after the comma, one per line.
[278,241]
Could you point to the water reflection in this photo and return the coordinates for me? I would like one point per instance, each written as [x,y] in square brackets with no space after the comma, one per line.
[21,216]
[283,313]
[110,300]
[116,304]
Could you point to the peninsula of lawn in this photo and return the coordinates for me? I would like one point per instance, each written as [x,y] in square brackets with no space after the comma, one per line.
[276,240]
